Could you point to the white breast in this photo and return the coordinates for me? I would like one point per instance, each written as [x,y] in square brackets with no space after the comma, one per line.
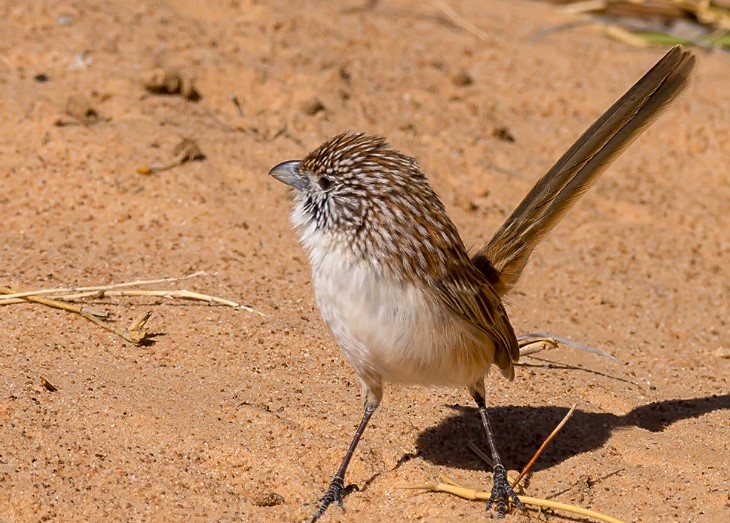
[392,328]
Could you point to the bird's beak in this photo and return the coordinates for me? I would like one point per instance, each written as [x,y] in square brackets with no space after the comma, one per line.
[288,173]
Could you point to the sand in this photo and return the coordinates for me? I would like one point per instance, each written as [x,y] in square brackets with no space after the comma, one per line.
[233,416]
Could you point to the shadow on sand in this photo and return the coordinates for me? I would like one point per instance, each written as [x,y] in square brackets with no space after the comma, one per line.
[521,430]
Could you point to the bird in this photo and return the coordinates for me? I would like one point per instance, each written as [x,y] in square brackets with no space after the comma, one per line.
[403,297]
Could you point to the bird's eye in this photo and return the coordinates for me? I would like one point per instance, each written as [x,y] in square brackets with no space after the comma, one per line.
[325,183]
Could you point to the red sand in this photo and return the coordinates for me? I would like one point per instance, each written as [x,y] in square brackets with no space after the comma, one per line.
[231,416]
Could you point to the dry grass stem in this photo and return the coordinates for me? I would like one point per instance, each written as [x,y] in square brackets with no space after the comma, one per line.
[449,485]
[482,455]
[172,293]
[5,291]
[64,294]
[584,6]
[135,283]
[641,23]
[458,20]
[187,150]
[621,34]
[94,317]
[135,333]
[530,345]
[544,445]
[50,387]
[488,460]
[544,341]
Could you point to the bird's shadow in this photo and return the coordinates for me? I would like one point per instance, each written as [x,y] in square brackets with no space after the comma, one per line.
[519,431]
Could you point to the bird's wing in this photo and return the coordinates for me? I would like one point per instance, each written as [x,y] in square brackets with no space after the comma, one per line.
[476,301]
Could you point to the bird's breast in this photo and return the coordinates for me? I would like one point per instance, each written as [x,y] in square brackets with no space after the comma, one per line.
[395,328]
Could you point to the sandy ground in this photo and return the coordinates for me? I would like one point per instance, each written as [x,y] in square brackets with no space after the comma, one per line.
[233,416]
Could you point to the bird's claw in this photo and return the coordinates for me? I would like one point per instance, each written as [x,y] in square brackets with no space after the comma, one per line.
[501,491]
[333,495]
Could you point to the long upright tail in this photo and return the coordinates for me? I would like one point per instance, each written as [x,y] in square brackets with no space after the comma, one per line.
[505,256]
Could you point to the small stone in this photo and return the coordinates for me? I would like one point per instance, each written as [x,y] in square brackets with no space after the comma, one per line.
[722,352]
[161,81]
[312,106]
[79,107]
[504,134]
[191,92]
[170,82]
[268,499]
[188,150]
[462,78]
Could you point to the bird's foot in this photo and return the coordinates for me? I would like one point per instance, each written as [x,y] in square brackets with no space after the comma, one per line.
[334,495]
[501,492]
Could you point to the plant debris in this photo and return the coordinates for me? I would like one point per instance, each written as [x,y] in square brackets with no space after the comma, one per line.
[79,109]
[701,23]
[169,82]
[50,387]
[187,150]
[135,333]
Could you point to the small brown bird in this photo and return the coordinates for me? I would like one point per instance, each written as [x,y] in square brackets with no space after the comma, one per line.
[393,279]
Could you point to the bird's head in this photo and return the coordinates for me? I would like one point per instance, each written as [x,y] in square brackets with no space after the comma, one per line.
[338,184]
[355,190]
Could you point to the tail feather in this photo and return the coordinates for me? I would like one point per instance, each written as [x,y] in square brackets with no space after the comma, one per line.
[505,256]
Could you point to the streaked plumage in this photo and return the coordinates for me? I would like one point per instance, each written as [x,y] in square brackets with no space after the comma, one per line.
[392,278]
[370,217]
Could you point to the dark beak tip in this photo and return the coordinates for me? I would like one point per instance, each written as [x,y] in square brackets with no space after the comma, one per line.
[283,166]
[288,173]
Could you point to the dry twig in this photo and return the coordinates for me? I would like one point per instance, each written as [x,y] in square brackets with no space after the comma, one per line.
[458,20]
[186,151]
[535,342]
[641,23]
[8,296]
[135,333]
[544,445]
[135,283]
[449,485]
[50,387]
[26,297]
[479,452]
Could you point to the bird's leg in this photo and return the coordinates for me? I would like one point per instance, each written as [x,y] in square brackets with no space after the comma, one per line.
[501,490]
[334,493]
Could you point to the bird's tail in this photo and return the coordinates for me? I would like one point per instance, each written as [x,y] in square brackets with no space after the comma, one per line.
[505,256]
